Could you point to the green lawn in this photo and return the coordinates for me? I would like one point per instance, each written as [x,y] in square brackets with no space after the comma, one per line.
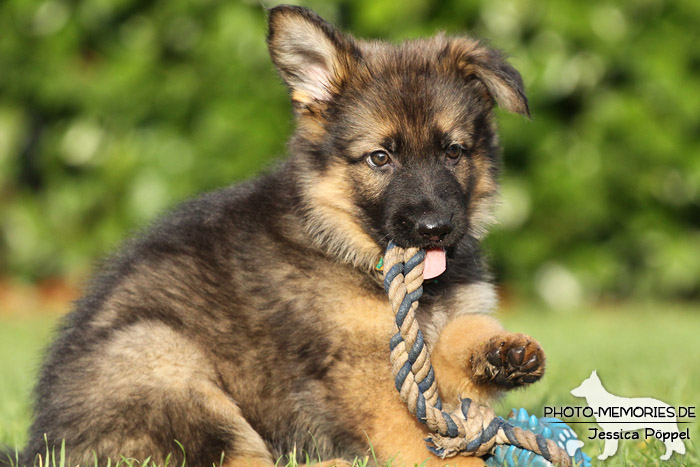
[21,345]
[639,351]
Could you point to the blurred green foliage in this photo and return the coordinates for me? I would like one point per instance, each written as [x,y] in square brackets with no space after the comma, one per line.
[113,110]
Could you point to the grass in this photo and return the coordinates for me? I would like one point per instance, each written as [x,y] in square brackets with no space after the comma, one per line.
[21,344]
[638,351]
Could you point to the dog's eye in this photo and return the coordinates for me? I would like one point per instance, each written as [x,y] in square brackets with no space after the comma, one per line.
[454,152]
[378,159]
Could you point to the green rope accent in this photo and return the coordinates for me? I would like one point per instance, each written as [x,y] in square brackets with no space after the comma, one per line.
[380,264]
[472,430]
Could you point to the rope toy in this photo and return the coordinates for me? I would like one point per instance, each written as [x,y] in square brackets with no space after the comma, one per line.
[472,430]
[549,427]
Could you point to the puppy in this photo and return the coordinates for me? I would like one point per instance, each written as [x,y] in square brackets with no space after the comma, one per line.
[251,322]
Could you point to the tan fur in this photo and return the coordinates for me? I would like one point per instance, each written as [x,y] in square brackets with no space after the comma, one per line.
[459,340]
[479,297]
[334,221]
[151,357]
[449,121]
[252,462]
[473,56]
[310,126]
[325,74]
[393,433]
[367,323]
[246,462]
[173,361]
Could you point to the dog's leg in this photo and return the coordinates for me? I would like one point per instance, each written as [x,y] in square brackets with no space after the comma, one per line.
[148,388]
[396,436]
[398,439]
[393,434]
[474,357]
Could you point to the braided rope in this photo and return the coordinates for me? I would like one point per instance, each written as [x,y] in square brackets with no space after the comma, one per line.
[472,430]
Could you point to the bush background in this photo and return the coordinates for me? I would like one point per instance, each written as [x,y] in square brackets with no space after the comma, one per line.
[114,110]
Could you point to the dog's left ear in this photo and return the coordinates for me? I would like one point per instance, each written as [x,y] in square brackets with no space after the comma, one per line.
[503,82]
[311,55]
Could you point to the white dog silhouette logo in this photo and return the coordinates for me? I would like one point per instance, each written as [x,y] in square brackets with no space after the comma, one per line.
[617,415]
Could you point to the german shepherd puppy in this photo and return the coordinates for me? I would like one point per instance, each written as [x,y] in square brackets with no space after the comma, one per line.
[251,322]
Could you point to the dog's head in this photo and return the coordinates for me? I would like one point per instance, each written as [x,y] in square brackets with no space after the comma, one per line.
[395,142]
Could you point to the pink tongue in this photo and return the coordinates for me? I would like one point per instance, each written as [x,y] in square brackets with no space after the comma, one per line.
[435,263]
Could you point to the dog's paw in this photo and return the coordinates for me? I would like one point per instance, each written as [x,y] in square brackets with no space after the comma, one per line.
[508,361]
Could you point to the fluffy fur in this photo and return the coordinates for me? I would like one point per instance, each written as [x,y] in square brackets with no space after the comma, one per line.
[250,321]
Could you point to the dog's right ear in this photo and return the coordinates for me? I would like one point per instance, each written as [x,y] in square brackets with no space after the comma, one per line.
[502,81]
[312,56]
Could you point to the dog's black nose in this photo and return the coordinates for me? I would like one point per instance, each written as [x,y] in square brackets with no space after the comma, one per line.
[434,230]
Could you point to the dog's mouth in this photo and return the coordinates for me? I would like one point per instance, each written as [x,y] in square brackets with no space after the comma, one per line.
[435,263]
[437,245]
[436,256]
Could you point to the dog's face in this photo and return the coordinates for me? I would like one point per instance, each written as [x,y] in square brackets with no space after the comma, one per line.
[396,140]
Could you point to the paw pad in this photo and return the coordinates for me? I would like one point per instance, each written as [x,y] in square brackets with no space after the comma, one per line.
[509,362]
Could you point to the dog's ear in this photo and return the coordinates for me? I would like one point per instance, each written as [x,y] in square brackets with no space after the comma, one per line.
[502,81]
[312,56]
